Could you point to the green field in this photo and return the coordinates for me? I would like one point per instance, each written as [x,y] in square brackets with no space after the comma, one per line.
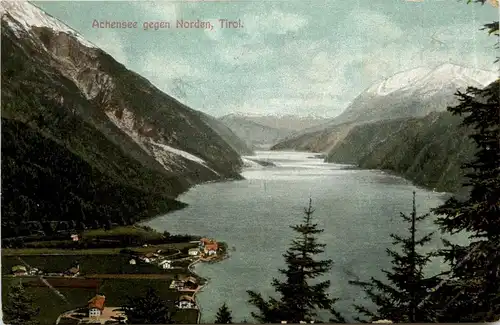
[89,264]
[121,232]
[92,251]
[102,261]
[116,291]
[51,305]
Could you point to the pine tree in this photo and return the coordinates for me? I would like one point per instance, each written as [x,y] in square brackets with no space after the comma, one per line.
[224,315]
[403,297]
[472,292]
[299,299]
[18,308]
[148,309]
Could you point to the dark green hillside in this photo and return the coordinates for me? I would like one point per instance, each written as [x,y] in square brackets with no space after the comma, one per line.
[82,137]
[428,151]
[48,182]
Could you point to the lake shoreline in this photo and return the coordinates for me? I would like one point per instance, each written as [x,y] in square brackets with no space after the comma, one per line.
[206,281]
[179,205]
[253,213]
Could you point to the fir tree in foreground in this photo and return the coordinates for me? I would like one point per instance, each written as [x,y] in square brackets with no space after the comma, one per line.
[472,292]
[403,297]
[223,315]
[299,298]
[148,309]
[18,308]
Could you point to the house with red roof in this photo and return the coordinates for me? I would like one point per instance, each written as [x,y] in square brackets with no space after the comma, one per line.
[96,306]
[211,249]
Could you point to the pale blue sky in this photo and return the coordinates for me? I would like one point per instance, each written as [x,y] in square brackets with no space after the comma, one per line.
[293,57]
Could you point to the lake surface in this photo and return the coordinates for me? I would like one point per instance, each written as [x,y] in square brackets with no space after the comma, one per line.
[357,208]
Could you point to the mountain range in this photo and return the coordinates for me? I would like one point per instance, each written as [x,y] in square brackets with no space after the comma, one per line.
[85,138]
[262,131]
[401,124]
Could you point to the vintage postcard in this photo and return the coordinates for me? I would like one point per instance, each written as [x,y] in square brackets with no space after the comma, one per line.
[247,161]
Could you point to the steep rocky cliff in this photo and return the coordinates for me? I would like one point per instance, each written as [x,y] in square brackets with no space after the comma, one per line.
[106,121]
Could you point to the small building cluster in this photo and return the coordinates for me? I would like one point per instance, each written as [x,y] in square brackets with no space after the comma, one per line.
[154,258]
[21,270]
[185,283]
[208,247]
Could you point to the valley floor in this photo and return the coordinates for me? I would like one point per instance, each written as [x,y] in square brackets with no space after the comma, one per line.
[62,281]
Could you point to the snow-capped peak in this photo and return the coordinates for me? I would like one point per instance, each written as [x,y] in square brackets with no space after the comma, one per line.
[398,81]
[457,76]
[28,15]
[426,80]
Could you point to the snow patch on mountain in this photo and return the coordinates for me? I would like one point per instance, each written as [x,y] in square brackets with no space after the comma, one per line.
[27,15]
[248,163]
[183,154]
[450,75]
[166,155]
[398,81]
[427,82]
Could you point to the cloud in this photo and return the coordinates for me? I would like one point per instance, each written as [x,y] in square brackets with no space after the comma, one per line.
[244,54]
[216,33]
[170,74]
[159,10]
[294,61]
[274,22]
[372,26]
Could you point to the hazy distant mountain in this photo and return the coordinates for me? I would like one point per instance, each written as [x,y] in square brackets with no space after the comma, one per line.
[284,122]
[412,93]
[254,134]
[238,144]
[261,131]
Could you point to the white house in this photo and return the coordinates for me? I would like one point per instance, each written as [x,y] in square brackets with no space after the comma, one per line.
[186,302]
[178,285]
[193,251]
[132,261]
[146,259]
[165,264]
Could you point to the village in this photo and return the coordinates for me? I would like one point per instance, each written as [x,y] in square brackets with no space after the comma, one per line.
[176,268]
